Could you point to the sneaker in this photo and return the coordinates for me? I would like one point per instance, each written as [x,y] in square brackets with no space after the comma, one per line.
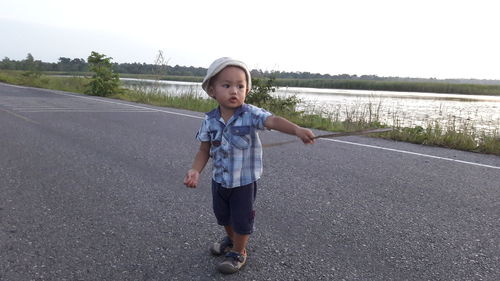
[233,262]
[222,247]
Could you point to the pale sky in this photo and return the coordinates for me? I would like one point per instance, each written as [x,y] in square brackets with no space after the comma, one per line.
[424,38]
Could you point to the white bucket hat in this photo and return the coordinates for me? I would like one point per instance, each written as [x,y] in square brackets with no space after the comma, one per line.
[219,64]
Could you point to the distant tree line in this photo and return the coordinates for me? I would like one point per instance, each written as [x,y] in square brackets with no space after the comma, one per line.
[325,78]
[80,65]
[30,64]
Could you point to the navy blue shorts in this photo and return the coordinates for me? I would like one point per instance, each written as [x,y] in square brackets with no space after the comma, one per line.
[235,206]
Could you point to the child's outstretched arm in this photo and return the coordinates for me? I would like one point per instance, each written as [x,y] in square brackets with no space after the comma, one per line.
[200,160]
[281,124]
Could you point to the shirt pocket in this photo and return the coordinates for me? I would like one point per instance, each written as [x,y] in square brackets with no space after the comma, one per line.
[240,137]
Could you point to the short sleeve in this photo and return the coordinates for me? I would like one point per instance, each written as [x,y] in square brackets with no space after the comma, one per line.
[259,116]
[203,132]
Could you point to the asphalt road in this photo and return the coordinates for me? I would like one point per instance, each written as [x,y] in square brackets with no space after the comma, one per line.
[91,189]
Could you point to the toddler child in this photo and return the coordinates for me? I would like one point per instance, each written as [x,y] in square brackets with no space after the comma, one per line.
[229,135]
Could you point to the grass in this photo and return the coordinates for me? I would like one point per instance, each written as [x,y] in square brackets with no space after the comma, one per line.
[462,138]
[453,135]
[189,101]
[34,79]
[431,87]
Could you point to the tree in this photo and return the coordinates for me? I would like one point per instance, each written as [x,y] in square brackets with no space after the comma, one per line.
[78,65]
[33,67]
[63,64]
[6,63]
[29,63]
[104,81]
[29,58]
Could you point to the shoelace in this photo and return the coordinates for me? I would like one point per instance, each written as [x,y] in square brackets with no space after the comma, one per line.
[235,256]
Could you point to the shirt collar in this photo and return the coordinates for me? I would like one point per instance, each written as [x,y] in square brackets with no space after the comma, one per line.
[215,113]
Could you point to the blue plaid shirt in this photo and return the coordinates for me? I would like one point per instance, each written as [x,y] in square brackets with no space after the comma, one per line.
[235,146]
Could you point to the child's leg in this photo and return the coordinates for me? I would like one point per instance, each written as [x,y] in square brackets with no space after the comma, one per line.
[242,216]
[229,231]
[240,241]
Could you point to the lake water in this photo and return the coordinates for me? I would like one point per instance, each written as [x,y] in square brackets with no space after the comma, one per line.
[391,108]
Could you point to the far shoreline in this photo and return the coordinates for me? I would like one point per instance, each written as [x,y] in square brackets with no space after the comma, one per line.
[437,87]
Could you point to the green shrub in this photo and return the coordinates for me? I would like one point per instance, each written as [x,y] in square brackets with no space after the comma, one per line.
[260,96]
[105,81]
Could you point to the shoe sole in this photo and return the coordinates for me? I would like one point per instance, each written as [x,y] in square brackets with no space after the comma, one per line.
[228,269]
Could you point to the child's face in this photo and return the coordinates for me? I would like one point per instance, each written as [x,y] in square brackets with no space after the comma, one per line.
[229,87]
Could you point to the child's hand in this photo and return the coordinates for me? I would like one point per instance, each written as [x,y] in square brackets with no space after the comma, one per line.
[191,178]
[306,135]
